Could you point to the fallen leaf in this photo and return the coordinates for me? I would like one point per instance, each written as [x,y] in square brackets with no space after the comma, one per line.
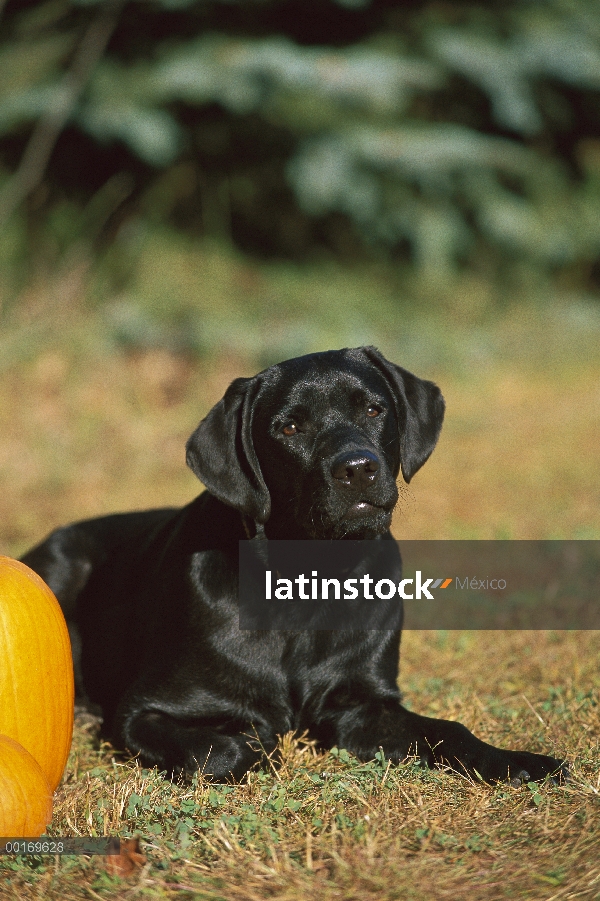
[128,860]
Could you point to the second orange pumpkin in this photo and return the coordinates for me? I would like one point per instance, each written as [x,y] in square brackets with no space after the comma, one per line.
[25,796]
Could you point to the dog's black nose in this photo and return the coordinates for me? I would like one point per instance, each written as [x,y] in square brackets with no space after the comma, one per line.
[358,470]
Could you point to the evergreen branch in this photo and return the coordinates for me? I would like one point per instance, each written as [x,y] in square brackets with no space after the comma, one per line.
[49,126]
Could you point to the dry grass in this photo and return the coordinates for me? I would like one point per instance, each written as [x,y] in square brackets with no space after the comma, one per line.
[516,459]
[325,826]
[89,428]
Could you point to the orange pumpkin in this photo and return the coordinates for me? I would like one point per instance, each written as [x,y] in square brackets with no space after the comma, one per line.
[25,796]
[36,670]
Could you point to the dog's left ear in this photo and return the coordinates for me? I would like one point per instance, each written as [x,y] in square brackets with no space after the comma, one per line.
[221,452]
[420,409]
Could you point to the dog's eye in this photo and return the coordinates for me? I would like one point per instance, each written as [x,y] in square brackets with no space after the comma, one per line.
[373,411]
[290,429]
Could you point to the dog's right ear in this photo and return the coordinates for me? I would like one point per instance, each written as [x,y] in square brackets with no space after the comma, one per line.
[420,408]
[221,452]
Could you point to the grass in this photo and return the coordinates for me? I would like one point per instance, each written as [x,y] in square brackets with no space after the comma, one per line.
[96,403]
[327,826]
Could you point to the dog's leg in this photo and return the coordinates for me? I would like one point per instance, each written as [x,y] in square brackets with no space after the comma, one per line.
[401,733]
[220,752]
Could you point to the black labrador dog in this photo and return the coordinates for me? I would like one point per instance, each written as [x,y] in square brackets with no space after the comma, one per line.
[308,449]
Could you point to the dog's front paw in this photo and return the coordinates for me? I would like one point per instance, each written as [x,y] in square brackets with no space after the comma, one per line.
[524,766]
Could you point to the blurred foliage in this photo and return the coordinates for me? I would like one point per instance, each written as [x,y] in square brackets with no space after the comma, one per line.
[440,136]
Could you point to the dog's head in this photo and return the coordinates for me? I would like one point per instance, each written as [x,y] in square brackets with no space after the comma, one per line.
[313,446]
